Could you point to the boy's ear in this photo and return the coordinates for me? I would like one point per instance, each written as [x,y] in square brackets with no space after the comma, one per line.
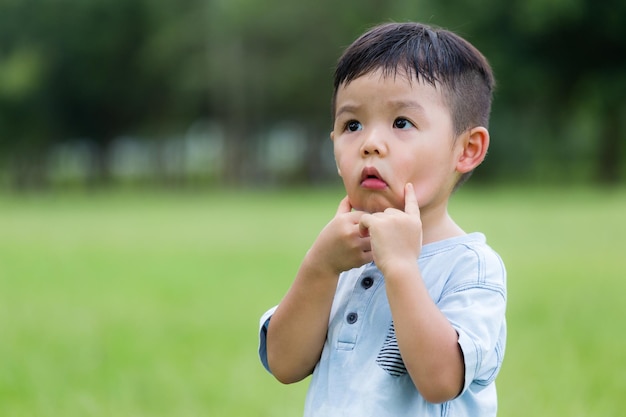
[475,143]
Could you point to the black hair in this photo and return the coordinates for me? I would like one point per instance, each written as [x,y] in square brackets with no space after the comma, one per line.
[436,56]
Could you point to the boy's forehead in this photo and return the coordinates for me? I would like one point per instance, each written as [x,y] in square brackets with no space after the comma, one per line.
[388,82]
[385,73]
[408,77]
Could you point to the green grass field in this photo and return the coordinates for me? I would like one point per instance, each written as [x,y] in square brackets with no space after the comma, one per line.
[147,304]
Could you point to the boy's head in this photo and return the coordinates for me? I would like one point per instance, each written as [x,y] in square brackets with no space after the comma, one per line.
[435,56]
[415,60]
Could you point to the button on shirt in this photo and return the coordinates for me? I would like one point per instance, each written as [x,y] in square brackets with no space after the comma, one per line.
[361,372]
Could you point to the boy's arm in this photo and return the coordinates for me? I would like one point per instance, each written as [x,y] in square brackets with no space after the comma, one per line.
[297,330]
[426,339]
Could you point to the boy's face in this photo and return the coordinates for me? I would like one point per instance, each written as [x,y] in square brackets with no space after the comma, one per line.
[389,131]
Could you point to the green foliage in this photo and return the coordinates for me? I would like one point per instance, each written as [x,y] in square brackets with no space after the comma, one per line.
[94,70]
[100,69]
[125,304]
[560,69]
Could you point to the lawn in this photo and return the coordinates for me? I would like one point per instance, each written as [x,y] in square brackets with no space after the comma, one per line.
[147,304]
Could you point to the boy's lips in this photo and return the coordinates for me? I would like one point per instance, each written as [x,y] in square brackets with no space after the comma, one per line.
[371,179]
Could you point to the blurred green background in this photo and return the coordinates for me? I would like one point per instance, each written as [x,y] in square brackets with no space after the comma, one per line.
[237,92]
[164,166]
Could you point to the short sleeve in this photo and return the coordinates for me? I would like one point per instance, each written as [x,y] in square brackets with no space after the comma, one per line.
[263,324]
[475,305]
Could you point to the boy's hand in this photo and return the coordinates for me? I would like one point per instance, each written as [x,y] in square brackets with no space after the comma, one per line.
[340,245]
[395,235]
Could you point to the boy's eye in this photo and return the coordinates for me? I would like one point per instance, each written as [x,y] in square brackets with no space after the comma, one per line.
[401,123]
[353,126]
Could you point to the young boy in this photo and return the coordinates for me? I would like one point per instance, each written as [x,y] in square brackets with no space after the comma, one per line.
[395,309]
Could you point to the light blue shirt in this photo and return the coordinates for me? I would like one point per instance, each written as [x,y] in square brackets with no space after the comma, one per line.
[361,373]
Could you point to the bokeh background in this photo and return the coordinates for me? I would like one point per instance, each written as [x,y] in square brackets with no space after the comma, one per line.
[237,92]
[164,166]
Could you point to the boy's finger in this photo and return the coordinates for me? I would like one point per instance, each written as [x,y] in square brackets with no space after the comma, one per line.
[364,226]
[344,206]
[410,200]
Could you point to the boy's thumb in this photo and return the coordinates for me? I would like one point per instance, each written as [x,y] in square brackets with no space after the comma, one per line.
[344,206]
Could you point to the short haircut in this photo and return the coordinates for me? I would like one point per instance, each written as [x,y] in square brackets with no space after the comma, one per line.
[433,55]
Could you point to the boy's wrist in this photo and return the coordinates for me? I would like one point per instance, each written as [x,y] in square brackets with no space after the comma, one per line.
[400,268]
[316,266]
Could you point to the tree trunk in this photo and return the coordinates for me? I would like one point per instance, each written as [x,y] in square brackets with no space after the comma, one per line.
[101,173]
[611,142]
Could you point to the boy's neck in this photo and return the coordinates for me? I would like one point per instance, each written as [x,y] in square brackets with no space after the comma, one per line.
[439,226]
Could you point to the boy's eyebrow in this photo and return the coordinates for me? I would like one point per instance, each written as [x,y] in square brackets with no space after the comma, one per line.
[347,108]
[403,104]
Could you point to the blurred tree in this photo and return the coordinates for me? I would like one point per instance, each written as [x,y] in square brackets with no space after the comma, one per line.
[22,77]
[273,61]
[560,66]
[103,68]
[582,46]
[94,70]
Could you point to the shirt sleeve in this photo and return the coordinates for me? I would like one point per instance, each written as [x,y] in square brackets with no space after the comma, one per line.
[475,302]
[263,323]
[482,345]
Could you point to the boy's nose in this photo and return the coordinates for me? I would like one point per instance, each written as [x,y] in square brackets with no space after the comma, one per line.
[374,144]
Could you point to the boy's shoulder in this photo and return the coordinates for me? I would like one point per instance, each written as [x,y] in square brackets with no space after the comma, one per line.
[470,241]
[464,260]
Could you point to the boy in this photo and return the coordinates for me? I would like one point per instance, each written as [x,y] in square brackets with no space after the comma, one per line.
[395,309]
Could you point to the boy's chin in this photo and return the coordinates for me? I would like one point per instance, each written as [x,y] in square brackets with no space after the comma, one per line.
[372,205]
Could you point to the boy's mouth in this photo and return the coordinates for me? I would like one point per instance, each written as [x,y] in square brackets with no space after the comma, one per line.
[371,179]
